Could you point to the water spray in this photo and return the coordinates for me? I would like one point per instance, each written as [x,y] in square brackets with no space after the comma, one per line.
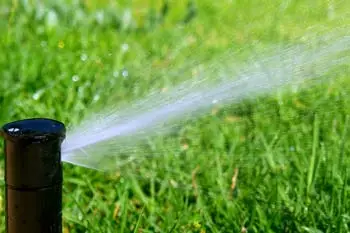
[33,175]
[100,139]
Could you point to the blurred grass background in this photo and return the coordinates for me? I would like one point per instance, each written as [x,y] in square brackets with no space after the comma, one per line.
[287,154]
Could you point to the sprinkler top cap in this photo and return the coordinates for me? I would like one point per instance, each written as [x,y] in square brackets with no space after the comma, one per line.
[33,153]
[40,129]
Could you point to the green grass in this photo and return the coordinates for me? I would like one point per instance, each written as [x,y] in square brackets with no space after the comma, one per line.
[291,149]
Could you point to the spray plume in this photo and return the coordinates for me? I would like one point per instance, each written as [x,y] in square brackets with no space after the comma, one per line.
[109,139]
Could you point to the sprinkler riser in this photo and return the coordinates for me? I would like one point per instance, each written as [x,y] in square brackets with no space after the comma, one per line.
[33,176]
[44,207]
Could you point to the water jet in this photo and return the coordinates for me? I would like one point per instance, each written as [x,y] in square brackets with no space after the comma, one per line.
[33,175]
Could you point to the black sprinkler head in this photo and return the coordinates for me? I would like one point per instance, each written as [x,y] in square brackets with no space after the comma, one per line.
[33,175]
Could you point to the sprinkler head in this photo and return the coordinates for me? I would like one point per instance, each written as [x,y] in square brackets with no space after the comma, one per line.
[33,175]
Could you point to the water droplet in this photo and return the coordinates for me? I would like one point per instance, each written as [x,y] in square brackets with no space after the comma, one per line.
[96,97]
[51,19]
[125,47]
[75,78]
[127,19]
[116,74]
[291,148]
[100,17]
[37,95]
[83,57]
[215,101]
[125,73]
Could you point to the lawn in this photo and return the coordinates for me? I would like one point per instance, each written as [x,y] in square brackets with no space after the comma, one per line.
[275,163]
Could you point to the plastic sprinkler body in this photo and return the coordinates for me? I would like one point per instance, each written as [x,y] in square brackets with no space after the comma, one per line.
[33,175]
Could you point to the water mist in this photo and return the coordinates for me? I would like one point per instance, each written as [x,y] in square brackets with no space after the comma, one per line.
[98,142]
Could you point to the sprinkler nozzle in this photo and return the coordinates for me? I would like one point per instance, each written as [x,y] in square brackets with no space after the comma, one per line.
[33,175]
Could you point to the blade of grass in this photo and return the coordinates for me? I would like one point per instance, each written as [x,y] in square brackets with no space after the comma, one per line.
[313,160]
